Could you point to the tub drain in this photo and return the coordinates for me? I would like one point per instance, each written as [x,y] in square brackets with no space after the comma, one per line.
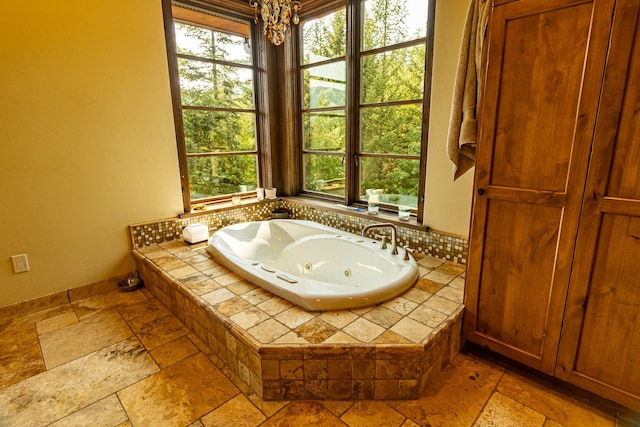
[347,273]
[308,266]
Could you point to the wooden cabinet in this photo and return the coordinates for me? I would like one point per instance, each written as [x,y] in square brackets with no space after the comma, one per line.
[600,339]
[553,279]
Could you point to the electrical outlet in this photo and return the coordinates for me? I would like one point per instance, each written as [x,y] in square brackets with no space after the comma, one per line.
[20,263]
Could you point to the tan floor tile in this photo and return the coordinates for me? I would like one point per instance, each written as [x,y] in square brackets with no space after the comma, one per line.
[315,331]
[12,321]
[194,257]
[274,306]
[338,318]
[458,283]
[155,331]
[257,296]
[294,317]
[218,296]
[216,271]
[177,395]
[409,423]
[304,413]
[417,295]
[58,322]
[249,317]
[20,356]
[390,337]
[372,413]
[205,265]
[291,338]
[228,278]
[452,294]
[451,268]
[241,287]
[440,277]
[182,272]
[204,286]
[411,329]
[105,412]
[337,407]
[171,264]
[428,316]
[567,411]
[383,316]
[400,305]
[456,397]
[85,337]
[142,308]
[428,286]
[504,412]
[173,352]
[268,331]
[341,338]
[54,394]
[106,301]
[364,330]
[232,306]
[266,407]
[237,412]
[442,305]
[552,423]
[431,262]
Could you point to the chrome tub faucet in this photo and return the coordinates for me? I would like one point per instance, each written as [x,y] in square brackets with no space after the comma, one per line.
[394,247]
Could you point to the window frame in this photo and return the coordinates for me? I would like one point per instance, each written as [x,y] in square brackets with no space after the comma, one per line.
[354,104]
[259,77]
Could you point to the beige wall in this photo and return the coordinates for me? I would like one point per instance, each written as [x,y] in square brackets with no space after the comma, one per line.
[87,139]
[448,203]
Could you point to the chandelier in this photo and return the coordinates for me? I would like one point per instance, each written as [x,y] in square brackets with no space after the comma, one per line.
[276,17]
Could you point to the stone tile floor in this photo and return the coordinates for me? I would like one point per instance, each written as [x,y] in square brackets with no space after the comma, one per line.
[122,359]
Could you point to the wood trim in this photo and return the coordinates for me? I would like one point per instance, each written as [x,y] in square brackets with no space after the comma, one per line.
[426,109]
[537,197]
[239,9]
[174,80]
[214,61]
[318,8]
[262,88]
[614,205]
[354,22]
[211,22]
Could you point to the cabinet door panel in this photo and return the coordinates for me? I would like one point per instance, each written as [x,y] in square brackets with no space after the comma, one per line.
[512,301]
[601,331]
[545,60]
[540,85]
[610,336]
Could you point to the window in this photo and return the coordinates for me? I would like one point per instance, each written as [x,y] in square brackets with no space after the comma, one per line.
[373,139]
[216,124]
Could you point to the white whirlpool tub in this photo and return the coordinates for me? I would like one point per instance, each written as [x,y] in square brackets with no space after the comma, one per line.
[312,265]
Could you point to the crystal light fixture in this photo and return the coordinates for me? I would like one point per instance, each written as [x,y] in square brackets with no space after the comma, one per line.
[276,17]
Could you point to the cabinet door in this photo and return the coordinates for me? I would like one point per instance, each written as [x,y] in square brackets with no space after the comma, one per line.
[600,346]
[544,69]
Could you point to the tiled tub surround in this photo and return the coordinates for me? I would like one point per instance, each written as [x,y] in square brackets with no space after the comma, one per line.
[282,352]
[427,242]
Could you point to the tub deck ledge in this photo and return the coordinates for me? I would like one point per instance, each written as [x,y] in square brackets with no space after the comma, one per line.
[393,350]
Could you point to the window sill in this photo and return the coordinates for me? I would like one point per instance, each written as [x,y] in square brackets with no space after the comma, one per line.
[225,206]
[382,216]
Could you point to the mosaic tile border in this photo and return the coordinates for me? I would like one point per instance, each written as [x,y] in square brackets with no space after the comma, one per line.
[427,242]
